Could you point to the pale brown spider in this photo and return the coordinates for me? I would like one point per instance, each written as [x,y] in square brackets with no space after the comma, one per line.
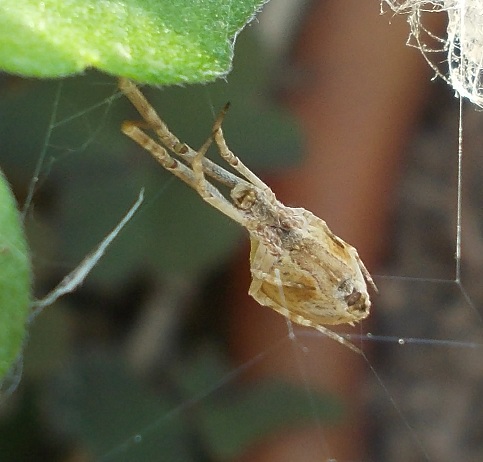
[298,266]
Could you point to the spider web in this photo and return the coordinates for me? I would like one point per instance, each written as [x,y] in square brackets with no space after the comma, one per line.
[424,379]
[462,43]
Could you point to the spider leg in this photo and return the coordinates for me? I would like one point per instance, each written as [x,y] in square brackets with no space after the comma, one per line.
[274,280]
[132,130]
[148,113]
[202,186]
[184,151]
[366,273]
[335,336]
[230,157]
[261,262]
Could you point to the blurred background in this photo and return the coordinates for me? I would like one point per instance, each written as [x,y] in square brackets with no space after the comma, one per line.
[161,355]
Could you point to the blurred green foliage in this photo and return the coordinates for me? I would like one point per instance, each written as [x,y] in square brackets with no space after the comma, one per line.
[195,414]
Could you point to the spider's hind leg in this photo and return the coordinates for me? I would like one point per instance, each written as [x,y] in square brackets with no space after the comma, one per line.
[338,338]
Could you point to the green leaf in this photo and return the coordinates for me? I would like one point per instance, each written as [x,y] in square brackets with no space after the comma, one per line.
[151,41]
[14,280]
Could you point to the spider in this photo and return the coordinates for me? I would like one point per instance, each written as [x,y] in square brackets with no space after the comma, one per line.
[299,268]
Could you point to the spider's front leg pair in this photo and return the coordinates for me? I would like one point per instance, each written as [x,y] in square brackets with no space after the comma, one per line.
[195,176]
